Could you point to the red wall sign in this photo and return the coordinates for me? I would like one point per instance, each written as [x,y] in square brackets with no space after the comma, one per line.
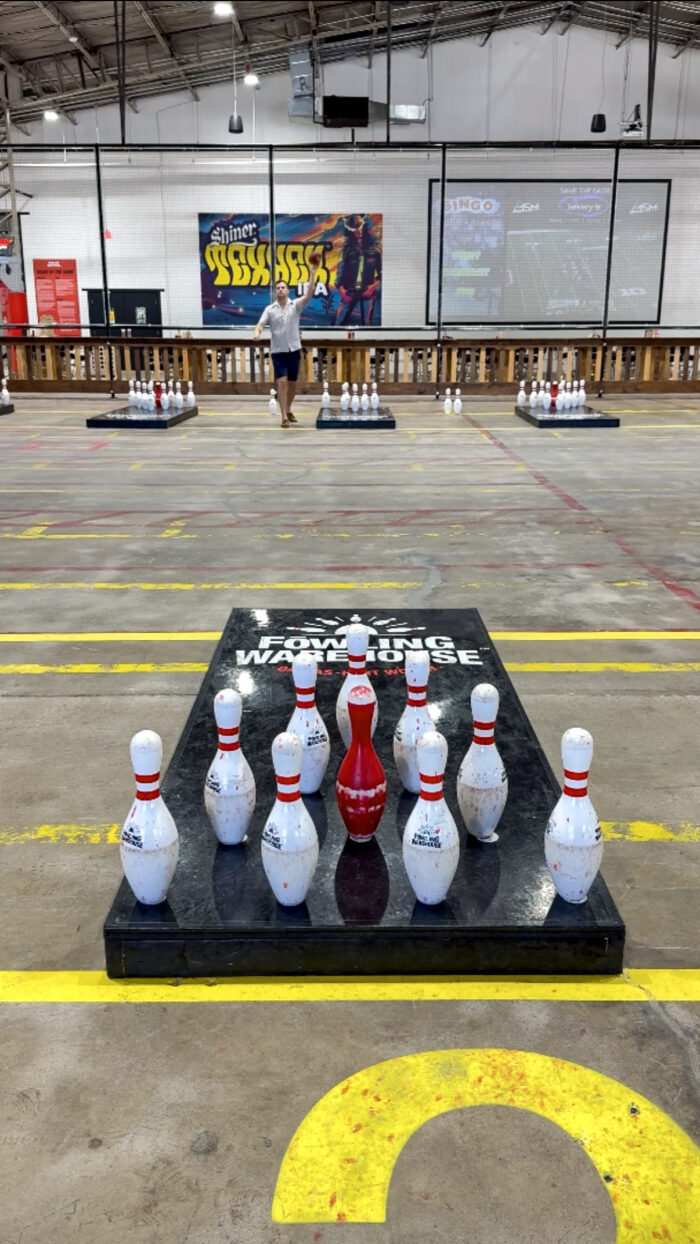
[56,288]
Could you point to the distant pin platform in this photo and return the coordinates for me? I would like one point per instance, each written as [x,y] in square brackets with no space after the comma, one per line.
[133,417]
[7,410]
[575,417]
[501,915]
[330,417]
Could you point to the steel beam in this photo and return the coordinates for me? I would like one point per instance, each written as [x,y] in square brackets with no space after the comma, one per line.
[93,58]
[159,34]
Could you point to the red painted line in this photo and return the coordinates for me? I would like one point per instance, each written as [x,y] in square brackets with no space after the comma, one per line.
[98,445]
[672,585]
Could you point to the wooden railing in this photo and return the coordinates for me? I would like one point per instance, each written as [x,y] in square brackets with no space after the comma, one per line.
[236,365]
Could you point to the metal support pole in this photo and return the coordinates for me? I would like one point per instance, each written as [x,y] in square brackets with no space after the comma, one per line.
[651,70]
[273,240]
[441,251]
[103,258]
[388,70]
[608,265]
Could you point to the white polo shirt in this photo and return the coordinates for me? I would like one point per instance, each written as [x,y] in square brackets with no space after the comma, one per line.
[284,326]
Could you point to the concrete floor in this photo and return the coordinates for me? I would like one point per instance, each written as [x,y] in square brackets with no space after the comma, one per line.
[104,1107]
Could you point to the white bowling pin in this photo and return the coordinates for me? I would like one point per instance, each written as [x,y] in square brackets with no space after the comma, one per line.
[447,404]
[533,394]
[179,402]
[5,398]
[374,400]
[229,788]
[356,639]
[164,399]
[364,400]
[151,399]
[567,395]
[325,396]
[547,396]
[482,782]
[355,403]
[574,393]
[273,402]
[573,842]
[131,398]
[344,400]
[414,720]
[289,840]
[308,725]
[457,406]
[431,838]
[171,393]
[582,394]
[191,399]
[149,843]
[521,399]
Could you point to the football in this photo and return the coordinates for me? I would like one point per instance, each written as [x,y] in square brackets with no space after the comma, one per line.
[315,257]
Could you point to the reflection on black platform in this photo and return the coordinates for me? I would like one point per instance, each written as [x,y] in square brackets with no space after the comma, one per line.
[158,914]
[362,882]
[316,807]
[293,917]
[481,863]
[229,878]
[437,913]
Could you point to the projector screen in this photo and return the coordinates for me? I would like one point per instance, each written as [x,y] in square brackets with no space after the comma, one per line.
[535,252]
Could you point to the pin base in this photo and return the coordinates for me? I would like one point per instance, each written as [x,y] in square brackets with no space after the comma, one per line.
[7,410]
[131,417]
[361,916]
[334,417]
[575,417]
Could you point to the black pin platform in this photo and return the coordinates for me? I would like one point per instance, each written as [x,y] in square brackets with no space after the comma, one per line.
[7,410]
[137,417]
[575,417]
[328,417]
[361,917]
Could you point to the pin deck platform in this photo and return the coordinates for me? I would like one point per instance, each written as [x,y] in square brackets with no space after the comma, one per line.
[578,417]
[361,917]
[7,410]
[132,417]
[329,417]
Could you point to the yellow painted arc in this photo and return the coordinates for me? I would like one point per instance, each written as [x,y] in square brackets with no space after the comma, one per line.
[285,586]
[198,667]
[339,1163]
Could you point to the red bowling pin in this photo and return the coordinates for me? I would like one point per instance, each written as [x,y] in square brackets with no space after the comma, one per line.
[360,787]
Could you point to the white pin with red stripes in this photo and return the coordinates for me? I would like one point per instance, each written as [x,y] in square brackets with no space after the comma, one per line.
[149,842]
[229,788]
[289,839]
[431,838]
[482,782]
[573,841]
[356,639]
[308,725]
[414,720]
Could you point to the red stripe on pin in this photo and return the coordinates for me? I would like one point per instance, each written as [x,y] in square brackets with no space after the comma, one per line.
[417,690]
[577,792]
[148,777]
[287,781]
[144,795]
[224,730]
[576,777]
[229,747]
[288,798]
[432,780]
[431,795]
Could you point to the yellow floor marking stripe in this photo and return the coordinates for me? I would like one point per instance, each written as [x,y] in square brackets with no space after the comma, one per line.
[517,667]
[86,834]
[284,586]
[339,1163]
[128,637]
[634,985]
[599,667]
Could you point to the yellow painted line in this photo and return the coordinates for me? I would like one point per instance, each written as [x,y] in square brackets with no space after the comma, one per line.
[599,667]
[88,834]
[285,586]
[106,637]
[127,637]
[574,636]
[196,667]
[339,1163]
[635,985]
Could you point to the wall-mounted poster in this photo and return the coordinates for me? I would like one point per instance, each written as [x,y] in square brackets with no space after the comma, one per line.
[56,289]
[234,255]
[536,252]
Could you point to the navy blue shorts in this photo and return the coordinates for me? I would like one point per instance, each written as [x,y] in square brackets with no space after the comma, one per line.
[287,365]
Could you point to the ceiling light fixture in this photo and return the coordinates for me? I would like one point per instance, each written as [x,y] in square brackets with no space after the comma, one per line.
[50,114]
[223,8]
[250,77]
